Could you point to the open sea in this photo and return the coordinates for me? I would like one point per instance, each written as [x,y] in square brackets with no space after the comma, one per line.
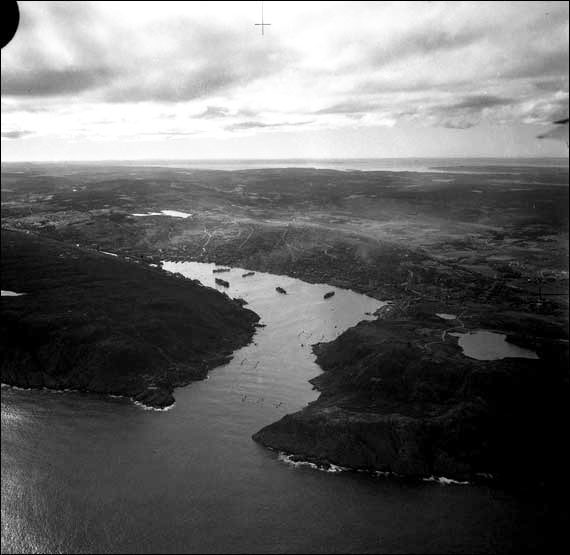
[469,165]
[454,165]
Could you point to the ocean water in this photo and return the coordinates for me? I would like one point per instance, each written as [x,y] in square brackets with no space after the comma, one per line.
[89,474]
[464,165]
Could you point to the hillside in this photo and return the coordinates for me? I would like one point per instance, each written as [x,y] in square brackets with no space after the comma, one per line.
[397,397]
[103,324]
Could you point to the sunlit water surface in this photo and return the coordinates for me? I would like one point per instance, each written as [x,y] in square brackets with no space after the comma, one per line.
[82,473]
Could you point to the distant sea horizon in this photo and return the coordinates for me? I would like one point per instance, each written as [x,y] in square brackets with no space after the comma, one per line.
[416,164]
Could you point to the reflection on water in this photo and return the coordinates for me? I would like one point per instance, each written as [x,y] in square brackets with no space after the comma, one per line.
[487,345]
[81,473]
[279,362]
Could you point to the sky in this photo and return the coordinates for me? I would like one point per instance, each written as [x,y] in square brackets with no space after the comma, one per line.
[195,80]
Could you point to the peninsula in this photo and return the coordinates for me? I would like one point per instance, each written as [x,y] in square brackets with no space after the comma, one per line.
[98,323]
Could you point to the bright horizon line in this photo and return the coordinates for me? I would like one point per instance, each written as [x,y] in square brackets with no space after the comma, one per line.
[289,158]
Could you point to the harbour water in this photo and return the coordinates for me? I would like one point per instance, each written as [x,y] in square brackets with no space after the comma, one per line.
[83,473]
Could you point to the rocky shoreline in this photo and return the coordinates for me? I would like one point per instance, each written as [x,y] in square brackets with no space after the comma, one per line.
[100,324]
[427,249]
[397,398]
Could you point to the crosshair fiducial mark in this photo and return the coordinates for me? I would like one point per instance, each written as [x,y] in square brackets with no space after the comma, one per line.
[262,24]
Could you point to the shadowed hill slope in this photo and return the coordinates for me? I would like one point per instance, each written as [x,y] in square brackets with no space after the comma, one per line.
[99,323]
[398,395]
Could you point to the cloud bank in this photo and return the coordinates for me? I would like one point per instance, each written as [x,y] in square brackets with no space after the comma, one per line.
[122,70]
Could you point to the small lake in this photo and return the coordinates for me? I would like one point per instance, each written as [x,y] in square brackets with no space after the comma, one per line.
[488,345]
[445,316]
[83,473]
[171,213]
